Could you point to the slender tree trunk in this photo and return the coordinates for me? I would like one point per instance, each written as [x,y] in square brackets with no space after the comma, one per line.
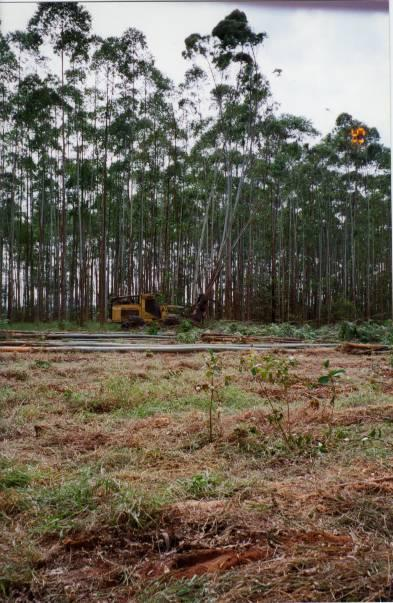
[102,251]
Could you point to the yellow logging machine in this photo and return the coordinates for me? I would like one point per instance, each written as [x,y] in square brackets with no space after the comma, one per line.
[136,310]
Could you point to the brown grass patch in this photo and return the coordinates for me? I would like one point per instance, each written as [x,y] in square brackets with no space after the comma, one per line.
[300,527]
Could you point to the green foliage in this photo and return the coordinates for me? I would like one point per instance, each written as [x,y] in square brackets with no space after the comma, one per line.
[66,24]
[13,477]
[368,332]
[185,326]
[115,393]
[68,136]
[213,387]
[193,44]
[302,332]
[250,441]
[234,31]
[201,485]
[66,506]
[188,336]
[365,440]
[275,370]
[6,394]
[190,590]
[43,364]
[271,368]
[153,329]
[157,398]
[186,333]
[348,331]
[330,379]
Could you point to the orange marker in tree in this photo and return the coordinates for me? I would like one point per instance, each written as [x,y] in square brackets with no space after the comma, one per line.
[358,135]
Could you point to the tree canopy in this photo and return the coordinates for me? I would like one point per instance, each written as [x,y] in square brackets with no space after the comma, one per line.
[115,180]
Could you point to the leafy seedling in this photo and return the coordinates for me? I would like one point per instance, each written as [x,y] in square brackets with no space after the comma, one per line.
[330,379]
[214,388]
[275,370]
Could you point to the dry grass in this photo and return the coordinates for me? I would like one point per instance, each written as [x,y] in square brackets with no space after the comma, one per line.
[110,490]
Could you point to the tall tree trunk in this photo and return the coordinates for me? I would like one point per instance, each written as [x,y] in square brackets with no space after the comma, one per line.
[102,252]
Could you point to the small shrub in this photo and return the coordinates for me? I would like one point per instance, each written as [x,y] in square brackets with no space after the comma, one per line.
[348,331]
[275,370]
[185,326]
[330,379]
[201,485]
[213,387]
[367,332]
[233,327]
[188,336]
[152,329]
[43,364]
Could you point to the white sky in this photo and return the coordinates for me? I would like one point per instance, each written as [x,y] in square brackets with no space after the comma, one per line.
[331,59]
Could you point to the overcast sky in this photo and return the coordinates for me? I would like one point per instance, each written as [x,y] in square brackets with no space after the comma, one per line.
[334,57]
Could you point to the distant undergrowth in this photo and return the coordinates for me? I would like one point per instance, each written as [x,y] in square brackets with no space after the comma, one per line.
[285,329]
[368,332]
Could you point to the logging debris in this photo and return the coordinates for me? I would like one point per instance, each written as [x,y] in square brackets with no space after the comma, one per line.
[362,348]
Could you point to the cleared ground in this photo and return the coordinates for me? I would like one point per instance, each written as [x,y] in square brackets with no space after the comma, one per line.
[110,489]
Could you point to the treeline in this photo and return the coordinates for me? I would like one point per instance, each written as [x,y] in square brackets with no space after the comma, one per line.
[116,181]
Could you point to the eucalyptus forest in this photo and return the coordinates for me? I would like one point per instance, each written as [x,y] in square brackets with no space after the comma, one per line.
[116,181]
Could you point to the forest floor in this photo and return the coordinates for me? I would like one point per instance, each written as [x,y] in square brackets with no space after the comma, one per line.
[111,491]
